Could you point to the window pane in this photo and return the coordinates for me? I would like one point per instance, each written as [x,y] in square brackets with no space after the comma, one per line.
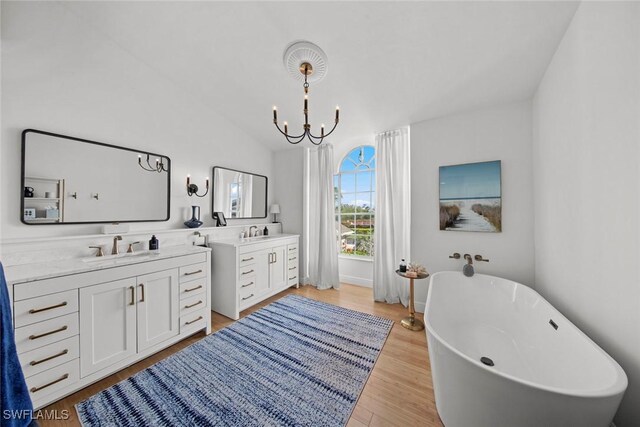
[348,183]
[363,202]
[363,181]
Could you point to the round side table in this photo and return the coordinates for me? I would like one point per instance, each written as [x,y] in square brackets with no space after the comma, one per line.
[411,322]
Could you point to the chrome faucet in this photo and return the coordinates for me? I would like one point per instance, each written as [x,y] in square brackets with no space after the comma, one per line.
[114,250]
[467,269]
[250,233]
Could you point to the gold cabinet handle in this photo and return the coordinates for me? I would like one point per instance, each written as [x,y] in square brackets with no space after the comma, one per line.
[46,359]
[246,298]
[39,310]
[193,272]
[193,321]
[275,257]
[294,277]
[292,268]
[193,305]
[35,337]
[193,289]
[292,249]
[247,284]
[62,378]
[142,288]
[291,259]
[246,259]
[247,272]
[133,295]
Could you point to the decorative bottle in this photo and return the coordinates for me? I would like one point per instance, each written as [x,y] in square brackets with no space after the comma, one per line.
[403,266]
[194,222]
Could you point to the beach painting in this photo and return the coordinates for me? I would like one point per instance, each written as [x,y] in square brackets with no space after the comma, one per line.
[470,197]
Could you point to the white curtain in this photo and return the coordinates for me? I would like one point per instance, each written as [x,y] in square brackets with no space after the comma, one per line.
[320,234]
[245,193]
[392,235]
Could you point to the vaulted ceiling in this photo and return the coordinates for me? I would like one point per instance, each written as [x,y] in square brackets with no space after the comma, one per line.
[390,63]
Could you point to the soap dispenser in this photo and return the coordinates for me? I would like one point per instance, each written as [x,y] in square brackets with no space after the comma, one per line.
[403,266]
[265,232]
[154,243]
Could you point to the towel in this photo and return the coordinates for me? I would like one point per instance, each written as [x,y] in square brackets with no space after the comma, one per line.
[17,409]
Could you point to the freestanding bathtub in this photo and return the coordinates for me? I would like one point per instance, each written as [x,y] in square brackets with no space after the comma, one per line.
[545,372]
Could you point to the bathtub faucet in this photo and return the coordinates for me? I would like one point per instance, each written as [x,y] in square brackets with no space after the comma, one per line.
[467,269]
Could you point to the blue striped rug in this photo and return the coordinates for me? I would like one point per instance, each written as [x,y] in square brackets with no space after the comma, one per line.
[295,362]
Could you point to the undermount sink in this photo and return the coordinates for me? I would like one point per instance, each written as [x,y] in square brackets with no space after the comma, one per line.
[120,257]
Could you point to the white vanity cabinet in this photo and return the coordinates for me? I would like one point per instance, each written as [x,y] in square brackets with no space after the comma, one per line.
[77,326]
[245,272]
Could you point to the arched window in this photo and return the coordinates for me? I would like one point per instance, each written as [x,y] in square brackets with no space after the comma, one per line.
[355,201]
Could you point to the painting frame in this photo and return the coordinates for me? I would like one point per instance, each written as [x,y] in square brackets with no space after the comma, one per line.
[470,197]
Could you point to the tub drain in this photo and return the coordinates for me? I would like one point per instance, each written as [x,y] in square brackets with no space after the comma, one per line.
[486,361]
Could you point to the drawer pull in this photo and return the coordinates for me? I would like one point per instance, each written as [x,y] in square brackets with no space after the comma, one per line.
[247,259]
[193,272]
[39,310]
[62,378]
[133,295]
[142,288]
[46,359]
[247,272]
[247,284]
[193,321]
[291,259]
[246,298]
[294,277]
[292,249]
[193,305]
[292,268]
[193,289]
[35,337]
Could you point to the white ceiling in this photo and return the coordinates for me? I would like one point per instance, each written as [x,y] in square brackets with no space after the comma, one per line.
[390,63]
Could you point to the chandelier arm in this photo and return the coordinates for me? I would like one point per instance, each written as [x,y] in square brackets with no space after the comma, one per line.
[290,136]
[291,140]
[313,139]
[326,134]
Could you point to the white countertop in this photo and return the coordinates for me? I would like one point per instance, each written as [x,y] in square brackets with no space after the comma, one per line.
[45,270]
[250,240]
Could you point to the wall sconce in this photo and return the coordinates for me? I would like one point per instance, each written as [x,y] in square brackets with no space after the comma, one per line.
[275,210]
[159,167]
[192,189]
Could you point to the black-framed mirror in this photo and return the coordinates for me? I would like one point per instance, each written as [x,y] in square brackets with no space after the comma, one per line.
[68,180]
[238,194]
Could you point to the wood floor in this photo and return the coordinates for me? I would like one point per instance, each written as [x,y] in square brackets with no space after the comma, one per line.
[398,393]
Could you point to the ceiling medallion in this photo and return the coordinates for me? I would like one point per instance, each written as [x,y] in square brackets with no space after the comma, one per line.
[305,61]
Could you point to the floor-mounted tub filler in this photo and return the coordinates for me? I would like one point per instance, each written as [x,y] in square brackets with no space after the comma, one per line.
[501,355]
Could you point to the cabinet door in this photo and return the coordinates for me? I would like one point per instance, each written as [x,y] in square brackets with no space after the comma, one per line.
[278,270]
[107,324]
[158,307]
[262,271]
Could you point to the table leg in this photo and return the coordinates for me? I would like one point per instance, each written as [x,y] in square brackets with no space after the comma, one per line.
[411,322]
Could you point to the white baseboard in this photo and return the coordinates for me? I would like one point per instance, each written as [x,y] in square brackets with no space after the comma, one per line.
[358,281]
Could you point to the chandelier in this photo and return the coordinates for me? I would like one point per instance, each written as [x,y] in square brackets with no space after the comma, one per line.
[159,166]
[302,59]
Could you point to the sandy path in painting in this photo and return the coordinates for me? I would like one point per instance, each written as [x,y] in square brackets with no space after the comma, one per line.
[468,219]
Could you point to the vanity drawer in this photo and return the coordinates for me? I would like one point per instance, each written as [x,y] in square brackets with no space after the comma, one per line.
[292,260]
[193,321]
[39,360]
[246,282]
[189,289]
[292,249]
[246,259]
[246,295]
[46,307]
[54,379]
[292,277]
[192,272]
[189,305]
[40,334]
[247,271]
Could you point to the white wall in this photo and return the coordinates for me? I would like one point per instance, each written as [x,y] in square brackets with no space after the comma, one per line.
[60,75]
[586,184]
[288,193]
[497,133]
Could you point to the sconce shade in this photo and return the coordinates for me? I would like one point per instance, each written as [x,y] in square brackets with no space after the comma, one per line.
[275,209]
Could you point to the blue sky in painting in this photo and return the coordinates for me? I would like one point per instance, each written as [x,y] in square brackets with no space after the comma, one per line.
[470,181]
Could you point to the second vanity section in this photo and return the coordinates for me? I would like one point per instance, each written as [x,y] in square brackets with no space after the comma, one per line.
[77,323]
[247,271]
